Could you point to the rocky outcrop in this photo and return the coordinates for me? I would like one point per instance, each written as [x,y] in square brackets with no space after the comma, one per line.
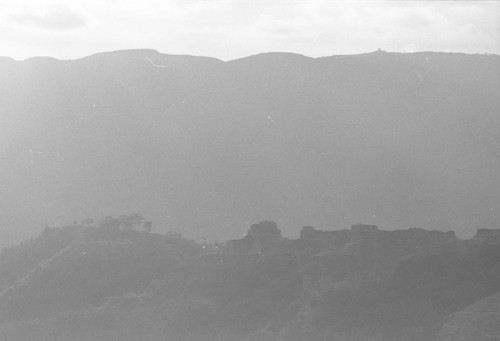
[487,236]
[264,237]
[344,258]
[365,254]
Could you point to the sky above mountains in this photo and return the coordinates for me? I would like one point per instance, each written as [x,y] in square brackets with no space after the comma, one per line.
[229,29]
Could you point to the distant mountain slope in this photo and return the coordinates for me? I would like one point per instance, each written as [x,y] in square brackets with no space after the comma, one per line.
[204,146]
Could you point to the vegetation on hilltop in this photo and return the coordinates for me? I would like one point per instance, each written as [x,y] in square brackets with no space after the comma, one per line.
[117,280]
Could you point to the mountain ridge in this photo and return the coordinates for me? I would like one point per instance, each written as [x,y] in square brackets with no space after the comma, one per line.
[205,146]
[154,51]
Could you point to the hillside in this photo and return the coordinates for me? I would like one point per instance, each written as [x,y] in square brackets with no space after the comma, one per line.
[78,266]
[205,147]
[110,282]
[479,322]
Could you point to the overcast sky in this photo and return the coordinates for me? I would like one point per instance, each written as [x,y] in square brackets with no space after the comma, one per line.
[229,29]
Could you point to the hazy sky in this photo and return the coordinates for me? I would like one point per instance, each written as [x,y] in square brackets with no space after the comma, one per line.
[229,29]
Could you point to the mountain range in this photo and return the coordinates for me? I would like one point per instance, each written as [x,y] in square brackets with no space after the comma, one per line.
[205,147]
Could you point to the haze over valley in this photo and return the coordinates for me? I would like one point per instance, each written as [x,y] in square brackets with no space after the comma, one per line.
[265,170]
